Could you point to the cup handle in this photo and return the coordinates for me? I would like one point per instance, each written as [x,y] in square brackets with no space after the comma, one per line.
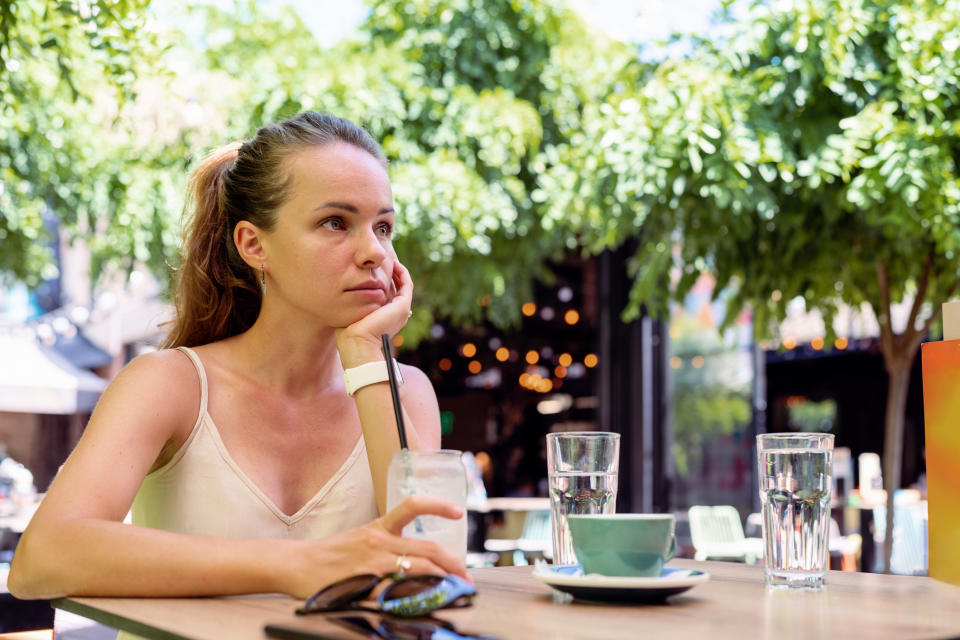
[673,548]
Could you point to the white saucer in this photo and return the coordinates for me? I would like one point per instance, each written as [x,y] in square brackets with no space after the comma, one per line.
[571,579]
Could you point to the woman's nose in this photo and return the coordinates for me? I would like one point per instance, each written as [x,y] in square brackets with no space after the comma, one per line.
[370,249]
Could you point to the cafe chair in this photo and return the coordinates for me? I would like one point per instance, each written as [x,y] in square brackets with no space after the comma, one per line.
[535,538]
[717,534]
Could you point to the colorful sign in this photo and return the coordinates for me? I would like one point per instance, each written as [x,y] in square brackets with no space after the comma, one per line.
[941,407]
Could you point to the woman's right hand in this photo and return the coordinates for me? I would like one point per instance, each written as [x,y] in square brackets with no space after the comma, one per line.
[376,548]
[360,342]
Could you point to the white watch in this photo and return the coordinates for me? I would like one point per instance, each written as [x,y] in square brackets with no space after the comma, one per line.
[370,373]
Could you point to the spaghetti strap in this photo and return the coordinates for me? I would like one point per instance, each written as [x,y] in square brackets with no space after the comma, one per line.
[203,377]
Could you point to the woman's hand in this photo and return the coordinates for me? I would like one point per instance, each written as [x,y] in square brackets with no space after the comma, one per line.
[376,548]
[359,342]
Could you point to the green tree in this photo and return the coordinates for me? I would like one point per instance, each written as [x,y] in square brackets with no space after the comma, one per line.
[811,154]
[471,101]
[75,136]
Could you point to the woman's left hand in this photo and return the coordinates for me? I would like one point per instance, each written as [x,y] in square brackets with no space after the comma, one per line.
[360,342]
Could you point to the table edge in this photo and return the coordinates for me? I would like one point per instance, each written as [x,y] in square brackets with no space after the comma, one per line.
[114,621]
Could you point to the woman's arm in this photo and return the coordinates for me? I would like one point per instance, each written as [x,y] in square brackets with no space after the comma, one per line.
[359,344]
[77,544]
[421,418]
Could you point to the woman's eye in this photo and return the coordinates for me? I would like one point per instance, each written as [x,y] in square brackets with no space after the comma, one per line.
[334,224]
[385,229]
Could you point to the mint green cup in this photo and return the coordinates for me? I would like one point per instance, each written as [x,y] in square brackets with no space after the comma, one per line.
[623,544]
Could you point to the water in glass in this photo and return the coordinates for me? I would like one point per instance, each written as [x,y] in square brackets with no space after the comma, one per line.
[795,496]
[435,473]
[577,493]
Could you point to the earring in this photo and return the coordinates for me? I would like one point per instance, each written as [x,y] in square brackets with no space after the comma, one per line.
[263,281]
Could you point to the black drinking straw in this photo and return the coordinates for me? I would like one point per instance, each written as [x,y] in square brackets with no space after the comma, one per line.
[401,430]
[392,375]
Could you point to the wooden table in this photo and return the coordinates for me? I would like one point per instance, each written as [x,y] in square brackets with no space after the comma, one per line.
[512,604]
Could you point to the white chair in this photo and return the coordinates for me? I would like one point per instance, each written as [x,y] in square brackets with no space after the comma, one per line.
[717,534]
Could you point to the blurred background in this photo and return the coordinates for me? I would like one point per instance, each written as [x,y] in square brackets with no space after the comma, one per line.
[689,222]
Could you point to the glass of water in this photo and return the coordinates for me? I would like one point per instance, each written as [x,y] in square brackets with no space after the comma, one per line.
[582,469]
[795,481]
[438,473]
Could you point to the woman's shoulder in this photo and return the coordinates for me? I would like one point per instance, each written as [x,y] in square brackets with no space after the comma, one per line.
[166,374]
[159,392]
[414,376]
[162,363]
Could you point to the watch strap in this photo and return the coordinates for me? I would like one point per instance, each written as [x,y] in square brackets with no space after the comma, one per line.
[356,378]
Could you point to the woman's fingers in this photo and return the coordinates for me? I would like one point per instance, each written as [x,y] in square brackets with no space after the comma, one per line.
[419,551]
[403,514]
[423,565]
[402,279]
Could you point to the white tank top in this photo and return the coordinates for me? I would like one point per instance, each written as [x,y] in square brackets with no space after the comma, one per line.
[202,491]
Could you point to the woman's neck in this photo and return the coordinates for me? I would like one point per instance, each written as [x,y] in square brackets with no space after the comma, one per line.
[289,357]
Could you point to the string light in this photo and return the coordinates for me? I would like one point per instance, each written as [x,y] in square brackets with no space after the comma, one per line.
[398,341]
[532,357]
[571,316]
[469,350]
[502,354]
[590,360]
[675,362]
[528,309]
[789,343]
[565,359]
[840,343]
[474,366]
[697,362]
[445,364]
[817,343]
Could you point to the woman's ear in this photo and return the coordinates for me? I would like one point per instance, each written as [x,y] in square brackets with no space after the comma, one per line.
[247,238]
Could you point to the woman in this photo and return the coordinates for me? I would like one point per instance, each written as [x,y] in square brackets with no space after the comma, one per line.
[247,464]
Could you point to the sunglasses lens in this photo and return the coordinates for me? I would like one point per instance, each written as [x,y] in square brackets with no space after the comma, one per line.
[341,593]
[406,587]
[421,629]
[419,595]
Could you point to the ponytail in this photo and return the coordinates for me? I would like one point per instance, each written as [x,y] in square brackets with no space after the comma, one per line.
[217,294]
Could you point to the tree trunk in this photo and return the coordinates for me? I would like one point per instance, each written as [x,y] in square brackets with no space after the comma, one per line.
[899,352]
[899,371]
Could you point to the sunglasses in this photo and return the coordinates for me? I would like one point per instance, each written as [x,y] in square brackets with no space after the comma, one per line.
[406,596]
[384,627]
[394,629]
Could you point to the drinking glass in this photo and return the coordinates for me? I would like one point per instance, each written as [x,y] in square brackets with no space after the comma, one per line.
[582,468]
[437,473]
[795,482]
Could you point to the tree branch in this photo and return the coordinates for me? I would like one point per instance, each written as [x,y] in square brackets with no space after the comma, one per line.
[910,331]
[886,327]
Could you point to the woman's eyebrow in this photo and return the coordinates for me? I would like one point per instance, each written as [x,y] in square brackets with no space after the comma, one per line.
[349,207]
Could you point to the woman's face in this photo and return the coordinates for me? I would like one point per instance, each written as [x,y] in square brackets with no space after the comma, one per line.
[330,252]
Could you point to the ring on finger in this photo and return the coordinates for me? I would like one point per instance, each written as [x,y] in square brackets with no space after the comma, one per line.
[403,563]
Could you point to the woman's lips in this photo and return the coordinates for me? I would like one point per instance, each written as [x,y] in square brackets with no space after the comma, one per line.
[370,289]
